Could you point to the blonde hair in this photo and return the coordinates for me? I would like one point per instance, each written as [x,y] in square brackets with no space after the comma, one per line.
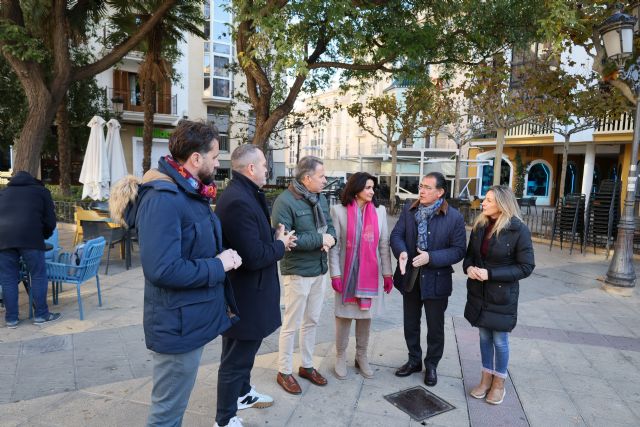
[507,205]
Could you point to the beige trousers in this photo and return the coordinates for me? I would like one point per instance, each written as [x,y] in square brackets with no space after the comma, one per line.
[303,297]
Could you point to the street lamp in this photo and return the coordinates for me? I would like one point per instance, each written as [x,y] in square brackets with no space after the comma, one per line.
[297,125]
[616,33]
[117,103]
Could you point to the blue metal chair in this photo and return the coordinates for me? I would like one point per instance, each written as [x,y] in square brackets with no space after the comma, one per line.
[52,254]
[66,271]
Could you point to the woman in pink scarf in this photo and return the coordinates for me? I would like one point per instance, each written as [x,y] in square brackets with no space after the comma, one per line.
[358,263]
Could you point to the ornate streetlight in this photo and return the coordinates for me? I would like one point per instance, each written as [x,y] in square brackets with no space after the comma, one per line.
[616,33]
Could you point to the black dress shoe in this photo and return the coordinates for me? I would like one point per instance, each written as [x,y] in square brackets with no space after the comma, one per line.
[408,369]
[430,376]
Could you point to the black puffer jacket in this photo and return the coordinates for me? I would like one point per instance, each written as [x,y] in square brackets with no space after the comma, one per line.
[493,304]
[27,214]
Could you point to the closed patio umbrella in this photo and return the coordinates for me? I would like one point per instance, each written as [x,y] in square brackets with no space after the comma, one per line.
[115,154]
[95,168]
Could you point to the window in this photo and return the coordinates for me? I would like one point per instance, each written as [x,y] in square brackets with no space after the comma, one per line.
[538,180]
[487,176]
[217,50]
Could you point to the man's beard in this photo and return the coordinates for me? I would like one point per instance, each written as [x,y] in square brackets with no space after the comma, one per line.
[208,178]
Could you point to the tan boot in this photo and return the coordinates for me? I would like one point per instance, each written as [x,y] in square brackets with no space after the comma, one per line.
[342,341]
[497,392]
[481,390]
[362,343]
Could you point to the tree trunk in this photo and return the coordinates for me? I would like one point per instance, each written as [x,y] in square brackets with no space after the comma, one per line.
[394,164]
[497,162]
[149,100]
[456,180]
[31,139]
[64,148]
[563,169]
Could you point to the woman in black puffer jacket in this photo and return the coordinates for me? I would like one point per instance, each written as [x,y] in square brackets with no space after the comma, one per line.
[500,253]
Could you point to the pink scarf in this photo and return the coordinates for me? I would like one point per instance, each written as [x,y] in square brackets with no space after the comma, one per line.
[367,283]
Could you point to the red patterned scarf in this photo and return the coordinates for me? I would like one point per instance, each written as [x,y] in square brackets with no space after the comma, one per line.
[206,191]
[367,282]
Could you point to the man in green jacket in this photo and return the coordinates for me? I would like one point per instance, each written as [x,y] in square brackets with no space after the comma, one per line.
[303,208]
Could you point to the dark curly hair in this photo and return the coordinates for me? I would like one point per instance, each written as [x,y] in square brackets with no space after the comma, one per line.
[356,184]
[191,137]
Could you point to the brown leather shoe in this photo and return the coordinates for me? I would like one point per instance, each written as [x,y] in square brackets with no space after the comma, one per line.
[313,376]
[288,383]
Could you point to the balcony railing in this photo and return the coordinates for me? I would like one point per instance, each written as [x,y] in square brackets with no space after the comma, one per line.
[622,124]
[132,100]
[530,129]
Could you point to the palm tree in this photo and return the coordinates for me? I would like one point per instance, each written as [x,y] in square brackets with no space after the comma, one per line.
[160,48]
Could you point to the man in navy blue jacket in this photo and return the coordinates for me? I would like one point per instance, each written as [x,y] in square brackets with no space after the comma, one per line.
[427,240]
[188,300]
[27,218]
[246,227]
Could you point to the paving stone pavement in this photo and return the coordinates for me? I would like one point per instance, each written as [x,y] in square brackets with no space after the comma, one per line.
[575,360]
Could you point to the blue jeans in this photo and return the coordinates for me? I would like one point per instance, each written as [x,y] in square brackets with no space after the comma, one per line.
[10,278]
[494,349]
[174,376]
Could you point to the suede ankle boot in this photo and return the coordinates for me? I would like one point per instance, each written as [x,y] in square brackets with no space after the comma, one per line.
[497,392]
[362,343]
[342,342]
[481,390]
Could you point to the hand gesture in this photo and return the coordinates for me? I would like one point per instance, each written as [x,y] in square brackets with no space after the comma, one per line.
[402,262]
[388,283]
[336,284]
[288,238]
[476,273]
[230,259]
[328,240]
[421,259]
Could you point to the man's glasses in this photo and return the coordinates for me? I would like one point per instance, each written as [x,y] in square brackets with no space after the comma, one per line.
[426,187]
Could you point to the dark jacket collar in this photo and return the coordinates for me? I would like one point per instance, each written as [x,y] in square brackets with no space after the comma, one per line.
[23,178]
[444,207]
[243,180]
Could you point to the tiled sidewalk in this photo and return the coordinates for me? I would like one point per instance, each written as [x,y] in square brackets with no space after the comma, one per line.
[575,360]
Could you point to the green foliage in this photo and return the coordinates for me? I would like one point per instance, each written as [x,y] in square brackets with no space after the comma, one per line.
[286,47]
[56,193]
[13,106]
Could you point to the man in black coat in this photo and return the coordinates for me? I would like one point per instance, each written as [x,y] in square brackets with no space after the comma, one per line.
[246,227]
[27,218]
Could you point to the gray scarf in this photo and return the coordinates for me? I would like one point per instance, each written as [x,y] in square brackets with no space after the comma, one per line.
[423,215]
[314,200]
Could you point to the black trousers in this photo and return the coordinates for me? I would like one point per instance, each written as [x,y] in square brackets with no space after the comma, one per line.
[434,309]
[234,375]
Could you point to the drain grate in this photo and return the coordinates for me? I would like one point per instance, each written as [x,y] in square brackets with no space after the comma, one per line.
[419,403]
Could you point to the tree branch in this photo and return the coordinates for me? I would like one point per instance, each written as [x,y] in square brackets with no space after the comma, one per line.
[121,50]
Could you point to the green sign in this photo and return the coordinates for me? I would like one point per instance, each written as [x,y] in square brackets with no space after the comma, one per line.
[157,133]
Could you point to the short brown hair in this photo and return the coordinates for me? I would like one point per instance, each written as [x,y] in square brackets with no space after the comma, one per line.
[191,137]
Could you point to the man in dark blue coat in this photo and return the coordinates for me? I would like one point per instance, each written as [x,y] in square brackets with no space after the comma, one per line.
[246,227]
[27,218]
[427,240]
[188,300]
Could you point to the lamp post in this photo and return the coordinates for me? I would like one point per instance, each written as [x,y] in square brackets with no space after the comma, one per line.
[616,33]
[297,125]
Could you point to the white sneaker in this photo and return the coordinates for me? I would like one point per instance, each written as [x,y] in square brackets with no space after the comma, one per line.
[253,399]
[233,422]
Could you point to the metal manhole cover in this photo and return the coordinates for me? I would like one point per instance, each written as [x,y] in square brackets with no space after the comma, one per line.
[419,403]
